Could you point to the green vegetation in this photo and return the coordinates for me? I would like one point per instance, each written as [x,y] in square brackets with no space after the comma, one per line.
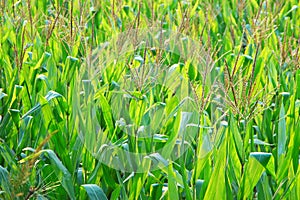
[59,102]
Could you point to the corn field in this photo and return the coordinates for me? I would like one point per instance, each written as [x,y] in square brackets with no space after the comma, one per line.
[149,99]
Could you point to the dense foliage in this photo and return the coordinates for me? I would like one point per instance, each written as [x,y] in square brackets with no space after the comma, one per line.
[251,90]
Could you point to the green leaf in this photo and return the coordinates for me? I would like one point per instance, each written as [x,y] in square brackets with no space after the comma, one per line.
[281,132]
[216,187]
[199,186]
[107,113]
[172,185]
[49,96]
[264,188]
[262,157]
[63,173]
[237,138]
[252,174]
[2,94]
[94,192]
[4,180]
